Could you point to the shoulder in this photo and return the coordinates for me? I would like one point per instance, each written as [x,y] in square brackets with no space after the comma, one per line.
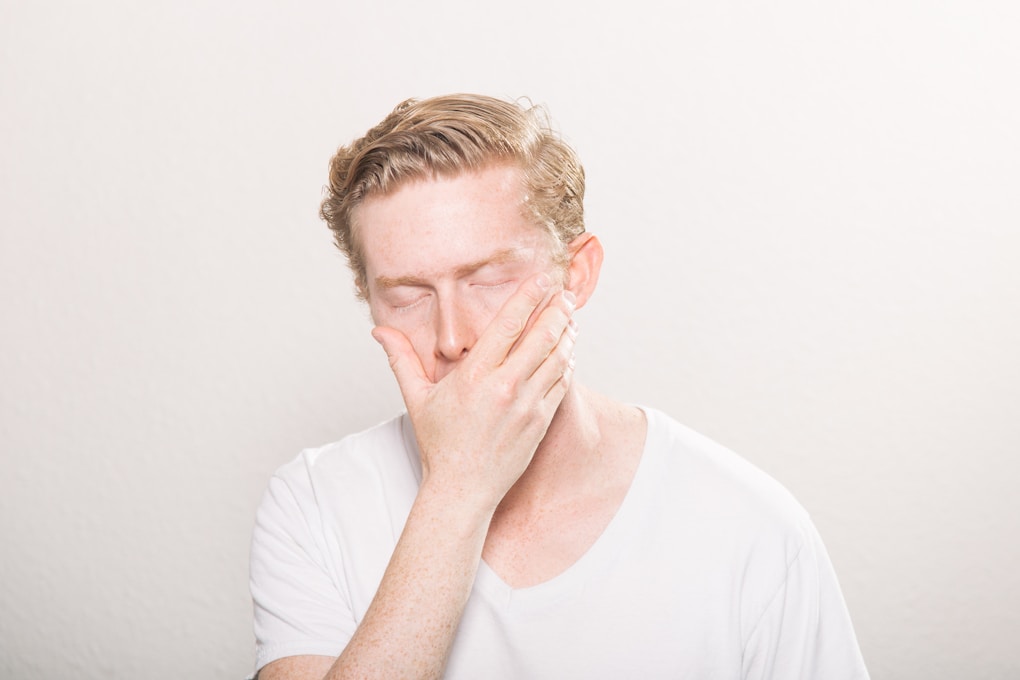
[373,470]
[390,444]
[322,523]
[719,492]
[716,477]
[324,531]
[739,519]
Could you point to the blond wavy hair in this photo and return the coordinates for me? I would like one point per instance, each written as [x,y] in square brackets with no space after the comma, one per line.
[445,136]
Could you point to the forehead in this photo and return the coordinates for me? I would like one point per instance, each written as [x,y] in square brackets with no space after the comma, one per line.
[441,224]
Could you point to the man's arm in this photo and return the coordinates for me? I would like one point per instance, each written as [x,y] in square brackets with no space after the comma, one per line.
[477,429]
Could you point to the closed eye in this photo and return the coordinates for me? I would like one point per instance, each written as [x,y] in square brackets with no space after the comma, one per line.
[492,286]
[402,306]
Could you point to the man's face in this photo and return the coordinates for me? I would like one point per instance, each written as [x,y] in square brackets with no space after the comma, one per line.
[443,255]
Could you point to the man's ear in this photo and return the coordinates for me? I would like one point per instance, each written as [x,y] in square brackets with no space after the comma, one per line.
[586,255]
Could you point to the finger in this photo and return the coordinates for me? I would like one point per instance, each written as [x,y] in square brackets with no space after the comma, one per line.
[558,390]
[503,332]
[536,345]
[557,366]
[404,362]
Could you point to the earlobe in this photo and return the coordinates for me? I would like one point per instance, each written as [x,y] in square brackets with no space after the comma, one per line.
[585,264]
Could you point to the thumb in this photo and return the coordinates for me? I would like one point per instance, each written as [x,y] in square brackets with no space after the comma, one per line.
[404,362]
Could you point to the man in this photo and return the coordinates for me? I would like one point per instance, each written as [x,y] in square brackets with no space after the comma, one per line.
[513,524]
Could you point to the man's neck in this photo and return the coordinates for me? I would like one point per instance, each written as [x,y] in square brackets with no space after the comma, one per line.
[578,454]
[573,488]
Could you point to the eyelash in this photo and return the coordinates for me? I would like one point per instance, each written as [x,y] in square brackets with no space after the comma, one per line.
[411,305]
[494,285]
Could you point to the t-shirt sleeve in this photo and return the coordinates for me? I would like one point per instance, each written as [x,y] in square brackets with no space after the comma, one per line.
[805,632]
[298,605]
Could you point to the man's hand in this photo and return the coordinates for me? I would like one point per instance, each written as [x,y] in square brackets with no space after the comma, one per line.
[479,426]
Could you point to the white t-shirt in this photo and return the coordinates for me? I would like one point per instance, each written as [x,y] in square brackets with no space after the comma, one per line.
[709,569]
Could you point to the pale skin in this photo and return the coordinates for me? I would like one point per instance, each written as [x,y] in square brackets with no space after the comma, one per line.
[521,466]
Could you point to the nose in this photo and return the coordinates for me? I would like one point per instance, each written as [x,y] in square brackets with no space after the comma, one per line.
[455,332]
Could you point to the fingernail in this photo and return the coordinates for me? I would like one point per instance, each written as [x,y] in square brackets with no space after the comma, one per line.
[569,297]
[543,281]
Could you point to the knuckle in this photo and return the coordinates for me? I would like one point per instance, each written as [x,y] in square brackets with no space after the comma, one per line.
[534,294]
[520,410]
[568,341]
[560,317]
[550,336]
[510,326]
[562,361]
[538,288]
[506,392]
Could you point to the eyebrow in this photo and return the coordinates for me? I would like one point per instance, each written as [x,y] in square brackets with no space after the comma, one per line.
[505,256]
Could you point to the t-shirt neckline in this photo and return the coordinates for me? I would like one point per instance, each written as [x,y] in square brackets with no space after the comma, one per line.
[607,549]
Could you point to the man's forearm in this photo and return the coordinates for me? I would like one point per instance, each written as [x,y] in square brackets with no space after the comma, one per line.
[410,625]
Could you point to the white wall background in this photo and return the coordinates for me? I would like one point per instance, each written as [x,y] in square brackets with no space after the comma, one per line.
[811,212]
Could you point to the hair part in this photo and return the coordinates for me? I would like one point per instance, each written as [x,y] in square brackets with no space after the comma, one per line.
[446,136]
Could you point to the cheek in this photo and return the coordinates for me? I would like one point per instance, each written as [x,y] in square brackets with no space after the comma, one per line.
[415,323]
[475,309]
[419,331]
[486,303]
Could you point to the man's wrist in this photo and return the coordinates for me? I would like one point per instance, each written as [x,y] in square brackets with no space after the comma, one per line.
[454,506]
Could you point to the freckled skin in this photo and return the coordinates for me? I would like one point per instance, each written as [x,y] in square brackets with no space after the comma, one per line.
[518,462]
[429,231]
